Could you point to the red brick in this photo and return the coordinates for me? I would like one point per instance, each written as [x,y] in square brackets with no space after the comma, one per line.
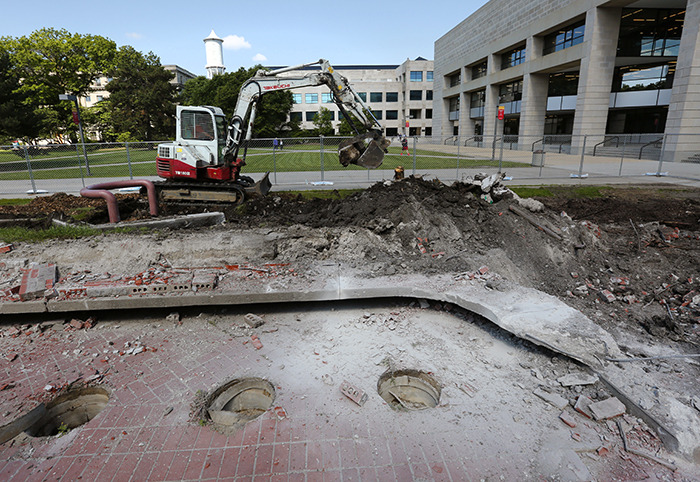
[567,418]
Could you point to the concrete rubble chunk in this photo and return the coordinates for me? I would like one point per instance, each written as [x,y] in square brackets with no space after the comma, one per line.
[607,296]
[551,398]
[608,408]
[578,378]
[173,317]
[568,419]
[253,320]
[582,406]
[36,280]
[353,393]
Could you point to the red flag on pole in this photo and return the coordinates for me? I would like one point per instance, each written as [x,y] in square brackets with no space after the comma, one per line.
[76,119]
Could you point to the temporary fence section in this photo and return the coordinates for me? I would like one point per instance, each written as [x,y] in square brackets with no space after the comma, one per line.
[314,160]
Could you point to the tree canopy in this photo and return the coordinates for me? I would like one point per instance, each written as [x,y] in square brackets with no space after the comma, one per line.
[141,98]
[52,62]
[222,91]
[17,117]
[322,122]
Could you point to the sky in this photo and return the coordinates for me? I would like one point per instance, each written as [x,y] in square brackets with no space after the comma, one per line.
[271,33]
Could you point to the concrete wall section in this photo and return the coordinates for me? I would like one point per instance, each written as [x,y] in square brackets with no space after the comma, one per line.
[684,109]
[597,67]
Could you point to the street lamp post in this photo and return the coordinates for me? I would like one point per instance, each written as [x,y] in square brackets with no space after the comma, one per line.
[80,127]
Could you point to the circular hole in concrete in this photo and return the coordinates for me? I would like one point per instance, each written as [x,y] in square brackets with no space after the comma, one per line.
[240,401]
[409,390]
[70,410]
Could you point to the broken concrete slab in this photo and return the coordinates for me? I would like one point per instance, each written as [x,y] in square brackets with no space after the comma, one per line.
[36,280]
[177,222]
[551,398]
[608,408]
[582,406]
[574,379]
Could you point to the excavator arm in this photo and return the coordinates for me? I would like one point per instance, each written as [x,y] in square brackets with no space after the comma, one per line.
[366,149]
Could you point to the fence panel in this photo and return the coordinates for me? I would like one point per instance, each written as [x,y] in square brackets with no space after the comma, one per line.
[314,160]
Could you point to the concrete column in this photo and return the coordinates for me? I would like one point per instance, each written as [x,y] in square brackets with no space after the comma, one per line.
[533,108]
[683,135]
[491,111]
[595,81]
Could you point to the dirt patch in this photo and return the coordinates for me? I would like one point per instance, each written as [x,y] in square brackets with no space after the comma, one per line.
[630,259]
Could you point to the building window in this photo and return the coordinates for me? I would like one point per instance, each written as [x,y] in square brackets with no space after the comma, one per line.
[310,115]
[415,95]
[513,57]
[326,98]
[295,116]
[312,98]
[87,98]
[429,76]
[477,99]
[392,114]
[332,114]
[375,97]
[414,114]
[363,96]
[511,92]
[377,114]
[99,98]
[98,82]
[646,32]
[428,95]
[454,104]
[454,79]
[643,77]
[563,83]
[296,98]
[479,70]
[392,96]
[428,131]
[428,113]
[416,76]
[564,38]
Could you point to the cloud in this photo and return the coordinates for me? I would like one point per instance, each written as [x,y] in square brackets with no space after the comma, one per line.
[234,42]
[134,35]
[259,58]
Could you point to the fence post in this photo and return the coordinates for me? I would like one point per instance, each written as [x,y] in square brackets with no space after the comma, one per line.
[29,168]
[322,171]
[661,156]
[622,159]
[80,165]
[128,161]
[274,162]
[583,153]
[458,143]
[500,154]
[415,141]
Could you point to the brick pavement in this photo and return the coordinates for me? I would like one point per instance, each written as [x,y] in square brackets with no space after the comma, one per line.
[145,432]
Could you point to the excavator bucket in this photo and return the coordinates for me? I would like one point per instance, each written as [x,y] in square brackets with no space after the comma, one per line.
[260,188]
[365,150]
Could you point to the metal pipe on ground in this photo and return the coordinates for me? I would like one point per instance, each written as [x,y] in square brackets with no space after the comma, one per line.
[101,191]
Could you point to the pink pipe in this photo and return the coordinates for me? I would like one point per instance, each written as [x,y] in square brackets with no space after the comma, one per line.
[100,191]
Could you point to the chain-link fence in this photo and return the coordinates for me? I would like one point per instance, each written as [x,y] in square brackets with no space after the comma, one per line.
[313,161]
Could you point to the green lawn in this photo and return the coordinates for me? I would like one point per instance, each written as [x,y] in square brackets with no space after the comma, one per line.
[112,162]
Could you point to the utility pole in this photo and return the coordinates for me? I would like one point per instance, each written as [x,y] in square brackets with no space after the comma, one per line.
[80,126]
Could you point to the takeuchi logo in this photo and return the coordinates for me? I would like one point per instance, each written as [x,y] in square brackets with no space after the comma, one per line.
[278,86]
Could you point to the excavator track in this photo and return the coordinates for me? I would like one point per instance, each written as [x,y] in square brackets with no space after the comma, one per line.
[198,192]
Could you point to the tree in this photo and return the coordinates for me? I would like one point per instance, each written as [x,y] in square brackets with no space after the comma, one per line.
[52,62]
[17,116]
[322,121]
[222,91]
[141,98]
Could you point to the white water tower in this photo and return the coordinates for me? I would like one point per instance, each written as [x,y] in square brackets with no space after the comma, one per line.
[215,55]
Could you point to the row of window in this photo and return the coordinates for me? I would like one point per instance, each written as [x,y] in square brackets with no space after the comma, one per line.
[388,115]
[326,98]
[417,76]
[643,33]
[625,78]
